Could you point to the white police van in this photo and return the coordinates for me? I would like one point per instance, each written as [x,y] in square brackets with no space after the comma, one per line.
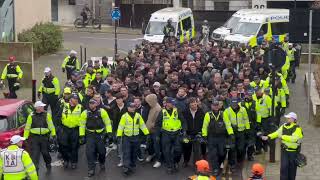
[182,21]
[266,22]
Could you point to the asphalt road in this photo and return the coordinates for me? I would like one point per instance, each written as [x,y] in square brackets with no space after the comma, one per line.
[100,43]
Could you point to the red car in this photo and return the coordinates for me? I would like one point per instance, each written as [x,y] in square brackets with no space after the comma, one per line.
[13,116]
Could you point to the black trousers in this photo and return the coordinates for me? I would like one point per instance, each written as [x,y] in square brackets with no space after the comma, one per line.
[69,72]
[265,128]
[69,144]
[39,144]
[95,147]
[292,71]
[216,151]
[130,147]
[12,91]
[52,101]
[237,154]
[198,149]
[288,169]
[171,148]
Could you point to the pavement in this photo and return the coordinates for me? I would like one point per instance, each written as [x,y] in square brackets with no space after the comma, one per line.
[104,29]
[99,44]
[310,143]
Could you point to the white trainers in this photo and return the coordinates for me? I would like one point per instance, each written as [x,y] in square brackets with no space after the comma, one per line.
[149,158]
[140,159]
[157,164]
[120,164]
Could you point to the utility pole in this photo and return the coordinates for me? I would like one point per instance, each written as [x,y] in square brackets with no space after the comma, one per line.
[309,64]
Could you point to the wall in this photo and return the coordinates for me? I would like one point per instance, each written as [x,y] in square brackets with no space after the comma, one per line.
[30,12]
[23,53]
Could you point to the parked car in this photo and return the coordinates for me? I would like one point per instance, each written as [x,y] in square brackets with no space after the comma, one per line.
[13,116]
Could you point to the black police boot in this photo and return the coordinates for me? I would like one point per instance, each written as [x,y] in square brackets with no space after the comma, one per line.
[250,158]
[48,166]
[90,173]
[126,171]
[102,167]
[65,164]
[73,166]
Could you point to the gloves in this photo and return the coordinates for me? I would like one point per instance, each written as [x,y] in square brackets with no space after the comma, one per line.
[63,70]
[282,111]
[39,95]
[82,140]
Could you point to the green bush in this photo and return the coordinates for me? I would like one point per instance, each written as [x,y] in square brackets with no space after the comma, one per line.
[46,38]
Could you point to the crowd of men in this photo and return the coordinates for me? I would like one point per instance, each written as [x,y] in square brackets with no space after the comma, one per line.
[175,99]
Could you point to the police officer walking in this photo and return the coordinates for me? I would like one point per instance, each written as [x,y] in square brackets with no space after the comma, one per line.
[95,127]
[130,124]
[19,165]
[216,131]
[69,140]
[50,89]
[291,135]
[70,63]
[13,73]
[39,128]
[171,124]
[237,117]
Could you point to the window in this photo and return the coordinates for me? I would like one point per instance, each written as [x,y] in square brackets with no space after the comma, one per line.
[179,29]
[186,24]
[3,123]
[23,113]
[221,6]
[72,2]
[280,28]
[263,30]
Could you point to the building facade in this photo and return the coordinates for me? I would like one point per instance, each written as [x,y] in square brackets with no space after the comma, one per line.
[18,15]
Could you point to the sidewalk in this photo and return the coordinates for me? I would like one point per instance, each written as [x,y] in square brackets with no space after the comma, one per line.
[311,141]
[104,29]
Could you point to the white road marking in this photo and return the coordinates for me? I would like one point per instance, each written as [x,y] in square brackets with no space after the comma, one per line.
[135,39]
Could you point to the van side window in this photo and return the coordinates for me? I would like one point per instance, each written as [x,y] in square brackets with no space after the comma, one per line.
[263,30]
[280,28]
[179,28]
[186,24]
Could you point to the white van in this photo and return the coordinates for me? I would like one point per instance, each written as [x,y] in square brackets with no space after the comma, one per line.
[182,21]
[220,33]
[273,22]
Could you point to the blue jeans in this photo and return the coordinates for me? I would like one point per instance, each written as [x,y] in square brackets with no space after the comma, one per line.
[154,146]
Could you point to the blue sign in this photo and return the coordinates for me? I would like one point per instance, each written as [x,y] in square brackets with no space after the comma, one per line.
[116,14]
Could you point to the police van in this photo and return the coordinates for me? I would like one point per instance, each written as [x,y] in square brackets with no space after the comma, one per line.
[264,25]
[220,33]
[182,21]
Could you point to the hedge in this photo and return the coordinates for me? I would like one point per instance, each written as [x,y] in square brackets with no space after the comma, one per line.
[46,38]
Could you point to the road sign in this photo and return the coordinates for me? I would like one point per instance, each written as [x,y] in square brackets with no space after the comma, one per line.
[116,14]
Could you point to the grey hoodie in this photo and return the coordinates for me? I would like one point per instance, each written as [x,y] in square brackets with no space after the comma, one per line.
[155,108]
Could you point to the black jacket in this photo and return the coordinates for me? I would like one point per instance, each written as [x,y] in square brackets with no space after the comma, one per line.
[116,116]
[194,125]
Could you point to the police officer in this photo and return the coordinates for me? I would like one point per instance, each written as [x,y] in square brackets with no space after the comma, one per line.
[50,89]
[291,135]
[237,117]
[280,100]
[292,58]
[171,124]
[70,63]
[13,73]
[130,124]
[263,110]
[94,126]
[215,130]
[39,128]
[70,132]
[250,105]
[20,165]
[168,30]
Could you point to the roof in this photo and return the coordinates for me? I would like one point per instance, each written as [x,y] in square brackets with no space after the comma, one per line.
[9,106]
[166,13]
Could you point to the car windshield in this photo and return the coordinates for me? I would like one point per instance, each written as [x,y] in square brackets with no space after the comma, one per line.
[3,123]
[246,28]
[232,22]
[156,27]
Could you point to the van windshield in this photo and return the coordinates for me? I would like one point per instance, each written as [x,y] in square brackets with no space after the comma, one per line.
[232,22]
[156,27]
[246,28]
[3,123]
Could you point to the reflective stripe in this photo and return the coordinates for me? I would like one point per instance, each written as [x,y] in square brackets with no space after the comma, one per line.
[171,122]
[12,75]
[48,90]
[132,126]
[39,131]
[29,165]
